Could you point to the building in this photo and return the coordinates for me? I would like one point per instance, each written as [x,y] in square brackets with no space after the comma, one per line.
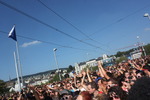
[135,54]
[91,63]
[105,60]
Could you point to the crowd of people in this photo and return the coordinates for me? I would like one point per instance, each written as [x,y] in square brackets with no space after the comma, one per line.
[128,80]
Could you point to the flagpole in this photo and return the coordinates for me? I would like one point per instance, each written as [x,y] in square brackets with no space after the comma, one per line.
[12,34]
[17,71]
[19,64]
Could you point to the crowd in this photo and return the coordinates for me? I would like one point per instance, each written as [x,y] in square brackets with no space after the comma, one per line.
[128,80]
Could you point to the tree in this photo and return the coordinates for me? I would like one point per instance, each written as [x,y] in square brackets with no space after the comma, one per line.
[55,78]
[70,68]
[147,49]
[3,87]
[119,53]
[122,58]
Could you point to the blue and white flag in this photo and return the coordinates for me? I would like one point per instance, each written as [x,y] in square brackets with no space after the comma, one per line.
[12,33]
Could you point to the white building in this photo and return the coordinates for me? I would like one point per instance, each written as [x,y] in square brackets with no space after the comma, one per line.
[105,57]
[79,67]
[91,63]
[136,54]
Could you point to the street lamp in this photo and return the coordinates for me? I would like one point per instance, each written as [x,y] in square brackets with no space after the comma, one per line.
[56,62]
[147,15]
[141,45]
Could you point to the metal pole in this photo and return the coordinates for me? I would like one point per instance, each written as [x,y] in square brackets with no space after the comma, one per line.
[141,45]
[143,50]
[19,64]
[17,71]
[56,62]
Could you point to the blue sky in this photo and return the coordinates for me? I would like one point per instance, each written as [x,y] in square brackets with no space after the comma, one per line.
[112,24]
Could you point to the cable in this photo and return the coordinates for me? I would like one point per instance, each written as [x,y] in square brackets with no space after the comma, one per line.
[48,42]
[68,22]
[119,20]
[41,22]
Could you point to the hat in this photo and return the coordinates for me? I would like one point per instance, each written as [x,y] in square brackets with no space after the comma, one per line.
[99,78]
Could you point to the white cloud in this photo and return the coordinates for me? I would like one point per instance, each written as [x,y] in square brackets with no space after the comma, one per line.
[147,29]
[30,43]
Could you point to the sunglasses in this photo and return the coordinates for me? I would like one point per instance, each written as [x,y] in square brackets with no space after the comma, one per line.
[65,98]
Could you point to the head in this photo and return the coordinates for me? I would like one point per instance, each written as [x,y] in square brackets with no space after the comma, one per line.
[68,86]
[146,69]
[66,96]
[85,95]
[116,93]
[92,87]
[126,74]
[104,81]
[140,90]
[101,97]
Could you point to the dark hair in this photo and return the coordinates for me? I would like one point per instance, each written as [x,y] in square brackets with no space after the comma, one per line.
[118,91]
[104,80]
[146,67]
[93,85]
[140,90]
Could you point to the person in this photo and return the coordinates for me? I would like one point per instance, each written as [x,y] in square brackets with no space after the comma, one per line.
[92,88]
[66,96]
[140,90]
[146,70]
[101,96]
[85,95]
[116,93]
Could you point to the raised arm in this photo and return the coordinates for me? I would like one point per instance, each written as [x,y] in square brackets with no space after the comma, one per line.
[88,75]
[75,79]
[102,70]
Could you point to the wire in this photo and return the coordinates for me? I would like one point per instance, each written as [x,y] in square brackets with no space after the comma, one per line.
[43,23]
[47,42]
[68,22]
[119,20]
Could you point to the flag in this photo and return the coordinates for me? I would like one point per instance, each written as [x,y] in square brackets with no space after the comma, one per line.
[12,33]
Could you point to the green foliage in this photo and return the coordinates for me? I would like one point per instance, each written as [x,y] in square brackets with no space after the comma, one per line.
[55,78]
[147,49]
[94,68]
[122,58]
[119,54]
[70,68]
[3,88]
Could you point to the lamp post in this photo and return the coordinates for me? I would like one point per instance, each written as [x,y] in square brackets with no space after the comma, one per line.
[147,15]
[56,62]
[141,45]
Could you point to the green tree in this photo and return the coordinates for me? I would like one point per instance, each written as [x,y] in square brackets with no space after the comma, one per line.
[3,88]
[119,54]
[55,78]
[94,68]
[70,68]
[147,49]
[122,58]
